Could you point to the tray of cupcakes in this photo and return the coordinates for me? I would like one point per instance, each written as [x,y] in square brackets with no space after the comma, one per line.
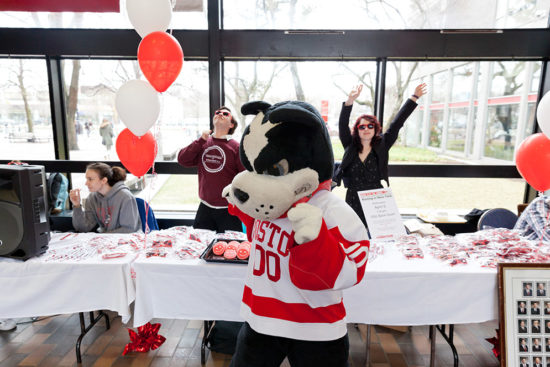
[227,251]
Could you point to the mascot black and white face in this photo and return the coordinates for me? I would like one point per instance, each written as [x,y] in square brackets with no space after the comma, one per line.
[287,153]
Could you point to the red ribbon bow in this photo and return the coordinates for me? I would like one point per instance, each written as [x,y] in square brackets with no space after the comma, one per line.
[496,345]
[147,338]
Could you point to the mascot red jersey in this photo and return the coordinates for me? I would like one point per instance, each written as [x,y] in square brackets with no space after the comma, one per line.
[307,244]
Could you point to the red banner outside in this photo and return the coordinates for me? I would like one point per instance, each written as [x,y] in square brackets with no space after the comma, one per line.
[93,6]
[324,110]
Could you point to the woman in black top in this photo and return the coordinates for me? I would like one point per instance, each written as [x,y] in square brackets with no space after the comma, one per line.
[365,161]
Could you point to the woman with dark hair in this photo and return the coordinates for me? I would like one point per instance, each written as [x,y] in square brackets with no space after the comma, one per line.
[365,161]
[110,206]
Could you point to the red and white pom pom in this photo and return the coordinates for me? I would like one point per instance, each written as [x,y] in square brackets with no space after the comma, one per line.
[243,252]
[245,243]
[219,248]
[234,245]
[230,254]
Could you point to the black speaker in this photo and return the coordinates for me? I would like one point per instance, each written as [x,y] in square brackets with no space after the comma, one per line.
[24,224]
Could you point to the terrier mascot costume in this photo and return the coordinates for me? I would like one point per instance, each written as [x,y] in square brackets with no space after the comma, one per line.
[307,244]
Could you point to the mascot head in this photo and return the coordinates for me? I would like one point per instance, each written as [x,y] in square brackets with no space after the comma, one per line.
[287,152]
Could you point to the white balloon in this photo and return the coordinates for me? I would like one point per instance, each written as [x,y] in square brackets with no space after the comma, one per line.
[543,114]
[138,106]
[149,15]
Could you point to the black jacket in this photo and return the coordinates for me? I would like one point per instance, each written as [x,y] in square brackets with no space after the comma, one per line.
[380,147]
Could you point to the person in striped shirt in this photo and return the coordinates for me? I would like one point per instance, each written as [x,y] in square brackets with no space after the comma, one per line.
[533,223]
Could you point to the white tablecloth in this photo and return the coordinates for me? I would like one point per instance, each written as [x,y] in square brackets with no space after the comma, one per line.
[38,287]
[394,291]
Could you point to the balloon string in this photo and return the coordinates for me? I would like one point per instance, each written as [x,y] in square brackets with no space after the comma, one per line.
[148,188]
[156,132]
[547,218]
[147,229]
[173,7]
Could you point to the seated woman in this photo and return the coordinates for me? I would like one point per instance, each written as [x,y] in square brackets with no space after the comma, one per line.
[110,206]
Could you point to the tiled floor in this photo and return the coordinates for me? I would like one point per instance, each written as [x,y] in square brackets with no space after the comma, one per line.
[51,342]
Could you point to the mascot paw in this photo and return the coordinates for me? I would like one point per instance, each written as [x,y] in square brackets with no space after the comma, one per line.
[306,222]
[226,194]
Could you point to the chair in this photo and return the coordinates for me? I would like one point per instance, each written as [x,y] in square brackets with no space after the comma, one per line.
[149,218]
[521,208]
[497,218]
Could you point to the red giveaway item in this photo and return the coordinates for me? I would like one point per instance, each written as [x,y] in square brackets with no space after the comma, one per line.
[113,255]
[230,254]
[243,252]
[244,244]
[147,338]
[219,248]
[165,243]
[234,245]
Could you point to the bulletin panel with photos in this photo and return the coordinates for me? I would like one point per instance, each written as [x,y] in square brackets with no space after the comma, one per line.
[524,302]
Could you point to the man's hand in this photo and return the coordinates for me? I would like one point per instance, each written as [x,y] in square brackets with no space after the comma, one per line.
[306,221]
[206,134]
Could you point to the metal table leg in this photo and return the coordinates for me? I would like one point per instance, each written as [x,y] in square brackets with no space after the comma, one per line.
[207,328]
[432,345]
[84,329]
[367,351]
[448,338]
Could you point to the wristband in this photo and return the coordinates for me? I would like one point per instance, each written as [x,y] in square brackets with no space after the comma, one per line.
[415,96]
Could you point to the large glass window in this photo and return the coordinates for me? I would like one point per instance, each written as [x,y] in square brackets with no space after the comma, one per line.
[436,128]
[324,84]
[415,194]
[474,113]
[167,193]
[456,133]
[478,112]
[187,14]
[499,139]
[174,193]
[460,195]
[389,14]
[25,117]
[91,87]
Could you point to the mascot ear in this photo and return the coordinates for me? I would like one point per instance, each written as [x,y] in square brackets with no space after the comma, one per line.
[254,107]
[297,114]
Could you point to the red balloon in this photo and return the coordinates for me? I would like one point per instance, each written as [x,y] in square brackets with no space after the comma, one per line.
[137,154]
[160,58]
[533,160]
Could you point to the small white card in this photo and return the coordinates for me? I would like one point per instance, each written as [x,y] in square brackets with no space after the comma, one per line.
[382,214]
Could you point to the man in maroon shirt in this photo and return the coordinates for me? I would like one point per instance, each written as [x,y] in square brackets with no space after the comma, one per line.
[216,156]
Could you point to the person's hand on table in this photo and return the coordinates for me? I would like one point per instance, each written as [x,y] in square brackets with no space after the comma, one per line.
[74,196]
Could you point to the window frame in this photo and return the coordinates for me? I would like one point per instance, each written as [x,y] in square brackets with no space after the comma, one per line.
[217,45]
